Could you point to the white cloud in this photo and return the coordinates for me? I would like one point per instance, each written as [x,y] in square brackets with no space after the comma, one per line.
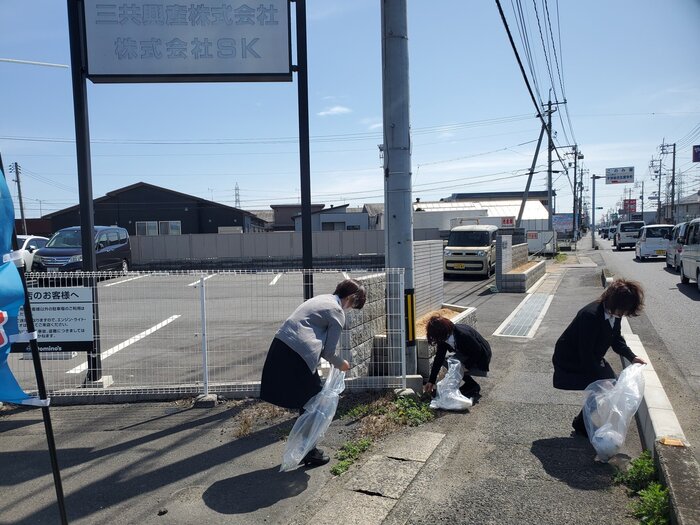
[334,110]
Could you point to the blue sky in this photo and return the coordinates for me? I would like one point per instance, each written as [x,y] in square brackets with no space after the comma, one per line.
[628,68]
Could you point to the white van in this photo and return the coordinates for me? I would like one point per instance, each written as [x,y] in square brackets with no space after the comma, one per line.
[652,242]
[690,258]
[675,246]
[471,250]
[627,234]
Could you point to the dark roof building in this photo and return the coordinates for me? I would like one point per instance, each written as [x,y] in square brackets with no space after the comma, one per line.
[146,209]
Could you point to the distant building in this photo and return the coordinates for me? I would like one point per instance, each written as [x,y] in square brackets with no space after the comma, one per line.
[145,209]
[687,208]
[284,215]
[541,196]
[334,219]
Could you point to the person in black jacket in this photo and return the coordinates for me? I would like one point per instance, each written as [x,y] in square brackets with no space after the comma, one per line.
[579,352]
[471,349]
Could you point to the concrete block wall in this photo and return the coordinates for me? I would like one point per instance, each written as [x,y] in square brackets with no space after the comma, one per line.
[362,326]
[520,254]
[520,282]
[427,276]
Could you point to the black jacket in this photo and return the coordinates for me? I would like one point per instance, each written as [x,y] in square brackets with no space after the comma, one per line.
[472,350]
[578,354]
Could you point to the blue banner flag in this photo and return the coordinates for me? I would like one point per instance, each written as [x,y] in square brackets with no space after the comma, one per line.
[11,300]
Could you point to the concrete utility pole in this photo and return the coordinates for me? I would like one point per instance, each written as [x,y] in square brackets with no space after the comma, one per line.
[550,221]
[16,168]
[593,178]
[397,165]
[658,195]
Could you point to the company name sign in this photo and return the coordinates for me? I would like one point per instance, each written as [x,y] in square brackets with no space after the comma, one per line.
[619,175]
[171,41]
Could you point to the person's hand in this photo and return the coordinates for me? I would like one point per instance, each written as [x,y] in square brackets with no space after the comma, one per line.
[639,360]
[428,388]
[345,366]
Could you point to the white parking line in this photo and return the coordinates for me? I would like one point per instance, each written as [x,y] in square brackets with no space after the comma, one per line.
[123,345]
[197,281]
[277,278]
[125,280]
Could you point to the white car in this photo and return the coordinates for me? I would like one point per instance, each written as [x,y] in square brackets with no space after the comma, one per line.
[28,244]
[652,241]
[690,257]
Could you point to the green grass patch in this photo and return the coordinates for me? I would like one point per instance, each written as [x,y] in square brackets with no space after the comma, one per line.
[652,507]
[560,257]
[640,473]
[348,454]
[408,411]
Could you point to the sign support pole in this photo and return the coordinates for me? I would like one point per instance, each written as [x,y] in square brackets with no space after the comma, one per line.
[82,146]
[304,156]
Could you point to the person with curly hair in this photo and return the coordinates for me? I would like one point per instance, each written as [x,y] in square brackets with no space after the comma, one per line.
[579,353]
[469,347]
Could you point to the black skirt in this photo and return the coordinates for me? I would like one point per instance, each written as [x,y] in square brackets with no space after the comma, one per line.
[286,379]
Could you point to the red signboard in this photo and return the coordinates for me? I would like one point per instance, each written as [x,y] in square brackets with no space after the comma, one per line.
[629,205]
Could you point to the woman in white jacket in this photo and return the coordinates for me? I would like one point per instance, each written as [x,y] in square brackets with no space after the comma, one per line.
[289,377]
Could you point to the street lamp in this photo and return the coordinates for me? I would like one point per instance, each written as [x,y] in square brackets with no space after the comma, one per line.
[593,178]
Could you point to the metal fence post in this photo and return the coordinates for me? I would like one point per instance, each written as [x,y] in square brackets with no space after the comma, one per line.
[203,309]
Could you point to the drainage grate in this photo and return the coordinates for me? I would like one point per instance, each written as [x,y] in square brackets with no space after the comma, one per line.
[526,318]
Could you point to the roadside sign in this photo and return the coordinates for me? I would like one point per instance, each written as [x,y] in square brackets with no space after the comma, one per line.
[203,41]
[629,205]
[563,222]
[696,153]
[619,175]
[507,222]
[63,318]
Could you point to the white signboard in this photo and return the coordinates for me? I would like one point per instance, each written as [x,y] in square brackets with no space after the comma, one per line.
[170,40]
[619,175]
[63,319]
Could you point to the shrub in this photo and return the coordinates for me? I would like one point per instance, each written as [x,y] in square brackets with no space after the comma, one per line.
[639,475]
[411,412]
[652,508]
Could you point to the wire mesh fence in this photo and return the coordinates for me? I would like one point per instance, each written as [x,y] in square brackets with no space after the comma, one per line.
[187,332]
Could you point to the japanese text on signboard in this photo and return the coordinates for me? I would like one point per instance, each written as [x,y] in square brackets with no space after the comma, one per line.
[619,175]
[157,37]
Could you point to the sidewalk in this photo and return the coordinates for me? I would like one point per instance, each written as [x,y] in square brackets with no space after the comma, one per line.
[509,460]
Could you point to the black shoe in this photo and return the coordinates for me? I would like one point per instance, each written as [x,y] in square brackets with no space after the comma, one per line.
[579,427]
[315,458]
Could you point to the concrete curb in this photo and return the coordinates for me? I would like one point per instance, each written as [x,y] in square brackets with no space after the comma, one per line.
[663,436]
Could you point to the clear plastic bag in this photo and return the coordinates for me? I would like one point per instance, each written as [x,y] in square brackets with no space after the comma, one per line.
[608,410]
[313,423]
[448,395]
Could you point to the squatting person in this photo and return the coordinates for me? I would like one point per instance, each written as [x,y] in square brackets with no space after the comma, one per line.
[579,352]
[471,349]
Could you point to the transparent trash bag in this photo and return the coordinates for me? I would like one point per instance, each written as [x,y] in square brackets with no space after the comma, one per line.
[608,410]
[448,395]
[313,423]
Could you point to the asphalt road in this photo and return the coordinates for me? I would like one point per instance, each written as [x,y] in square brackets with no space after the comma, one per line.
[669,329]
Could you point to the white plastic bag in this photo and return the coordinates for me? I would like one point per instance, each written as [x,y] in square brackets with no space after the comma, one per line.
[609,407]
[448,395]
[313,423]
